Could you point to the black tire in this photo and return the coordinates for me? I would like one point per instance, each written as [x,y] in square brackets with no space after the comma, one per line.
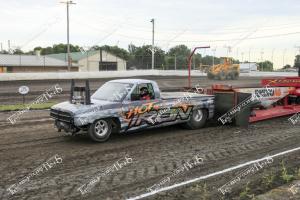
[230,75]
[100,130]
[196,121]
[235,76]
[222,76]
[210,75]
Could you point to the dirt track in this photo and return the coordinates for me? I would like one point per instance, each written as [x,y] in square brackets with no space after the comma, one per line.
[156,153]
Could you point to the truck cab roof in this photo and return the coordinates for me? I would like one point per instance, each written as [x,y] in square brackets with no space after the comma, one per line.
[134,81]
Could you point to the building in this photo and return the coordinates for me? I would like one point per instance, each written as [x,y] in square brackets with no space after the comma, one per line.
[248,67]
[99,60]
[32,63]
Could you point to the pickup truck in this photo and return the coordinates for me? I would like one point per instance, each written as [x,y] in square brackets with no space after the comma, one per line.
[126,105]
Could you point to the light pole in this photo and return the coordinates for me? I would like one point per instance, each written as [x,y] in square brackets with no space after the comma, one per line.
[214,54]
[229,48]
[249,58]
[273,57]
[261,57]
[152,50]
[242,56]
[68,33]
[284,51]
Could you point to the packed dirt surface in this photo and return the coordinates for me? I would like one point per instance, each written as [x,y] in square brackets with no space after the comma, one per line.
[155,154]
[9,89]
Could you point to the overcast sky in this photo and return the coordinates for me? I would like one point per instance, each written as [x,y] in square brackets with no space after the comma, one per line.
[261,27]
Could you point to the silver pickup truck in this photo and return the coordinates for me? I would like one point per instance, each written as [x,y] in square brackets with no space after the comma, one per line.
[128,105]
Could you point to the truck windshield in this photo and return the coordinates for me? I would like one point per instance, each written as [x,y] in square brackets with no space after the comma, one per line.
[112,91]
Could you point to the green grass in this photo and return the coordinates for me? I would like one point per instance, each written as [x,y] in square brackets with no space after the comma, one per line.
[22,106]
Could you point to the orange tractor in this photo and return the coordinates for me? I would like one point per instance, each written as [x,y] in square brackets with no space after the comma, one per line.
[225,70]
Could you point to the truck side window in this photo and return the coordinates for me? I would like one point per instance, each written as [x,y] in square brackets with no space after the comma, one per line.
[143,91]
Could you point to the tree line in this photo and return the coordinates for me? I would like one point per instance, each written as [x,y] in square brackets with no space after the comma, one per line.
[140,57]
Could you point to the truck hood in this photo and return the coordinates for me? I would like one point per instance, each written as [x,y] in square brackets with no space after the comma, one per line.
[96,105]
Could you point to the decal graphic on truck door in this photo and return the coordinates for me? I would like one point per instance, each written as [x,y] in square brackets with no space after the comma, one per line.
[150,114]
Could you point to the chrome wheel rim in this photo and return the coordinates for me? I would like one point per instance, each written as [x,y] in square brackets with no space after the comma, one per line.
[101,128]
[198,115]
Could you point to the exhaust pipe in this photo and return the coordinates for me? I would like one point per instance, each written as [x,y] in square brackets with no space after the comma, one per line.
[72,90]
[87,92]
[79,92]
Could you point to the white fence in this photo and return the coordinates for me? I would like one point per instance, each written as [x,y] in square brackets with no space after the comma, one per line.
[120,74]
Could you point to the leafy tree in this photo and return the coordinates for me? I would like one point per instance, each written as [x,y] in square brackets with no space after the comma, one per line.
[115,50]
[18,51]
[181,53]
[287,66]
[265,66]
[141,57]
[297,63]
[57,48]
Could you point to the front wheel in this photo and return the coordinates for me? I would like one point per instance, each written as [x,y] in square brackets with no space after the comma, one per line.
[100,130]
[197,119]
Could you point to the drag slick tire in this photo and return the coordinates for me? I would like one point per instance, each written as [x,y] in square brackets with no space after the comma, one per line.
[100,130]
[197,119]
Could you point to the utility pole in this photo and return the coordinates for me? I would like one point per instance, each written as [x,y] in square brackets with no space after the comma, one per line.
[284,51]
[8,44]
[68,3]
[229,48]
[261,58]
[242,56]
[152,50]
[249,59]
[214,54]
[273,57]
[175,62]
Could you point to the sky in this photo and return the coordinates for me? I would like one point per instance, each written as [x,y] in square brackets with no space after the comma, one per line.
[252,30]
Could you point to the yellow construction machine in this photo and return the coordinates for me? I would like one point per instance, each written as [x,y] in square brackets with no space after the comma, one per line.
[225,70]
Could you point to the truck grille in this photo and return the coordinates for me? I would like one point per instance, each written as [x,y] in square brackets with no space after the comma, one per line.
[61,115]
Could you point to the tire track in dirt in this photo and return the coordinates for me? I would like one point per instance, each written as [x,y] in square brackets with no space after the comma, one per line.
[157,153]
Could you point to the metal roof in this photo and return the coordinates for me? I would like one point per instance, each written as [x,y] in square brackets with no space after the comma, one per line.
[131,80]
[76,56]
[31,60]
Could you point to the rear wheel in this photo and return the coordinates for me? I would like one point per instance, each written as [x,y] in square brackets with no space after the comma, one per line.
[222,76]
[210,75]
[197,119]
[235,76]
[100,130]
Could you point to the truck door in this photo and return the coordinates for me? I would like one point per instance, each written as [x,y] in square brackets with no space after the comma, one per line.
[140,109]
